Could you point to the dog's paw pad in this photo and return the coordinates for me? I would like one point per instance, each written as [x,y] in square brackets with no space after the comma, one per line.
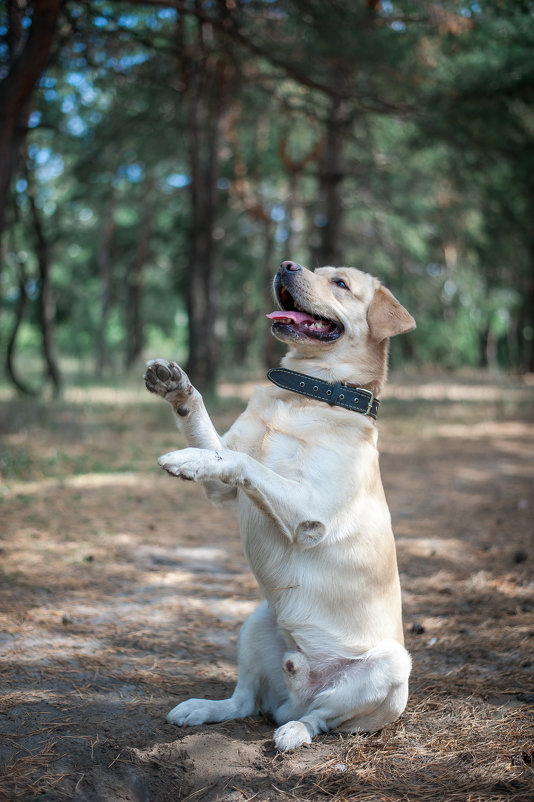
[167,380]
[162,372]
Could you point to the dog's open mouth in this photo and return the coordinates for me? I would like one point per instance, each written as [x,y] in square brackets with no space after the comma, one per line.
[300,322]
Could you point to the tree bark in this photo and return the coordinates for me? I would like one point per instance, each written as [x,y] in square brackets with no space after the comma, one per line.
[294,169]
[27,62]
[103,259]
[17,383]
[206,75]
[47,301]
[201,289]
[134,293]
[273,349]
[329,250]
[526,343]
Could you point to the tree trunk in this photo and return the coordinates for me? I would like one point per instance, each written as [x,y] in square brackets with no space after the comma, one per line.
[492,344]
[294,169]
[103,258]
[10,351]
[206,95]
[47,301]
[134,293]
[525,317]
[27,62]
[329,249]
[201,290]
[526,326]
[273,349]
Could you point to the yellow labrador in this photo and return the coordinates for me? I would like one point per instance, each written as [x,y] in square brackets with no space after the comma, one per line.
[325,649]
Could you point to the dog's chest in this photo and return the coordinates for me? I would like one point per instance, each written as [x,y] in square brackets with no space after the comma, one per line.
[284,436]
[298,439]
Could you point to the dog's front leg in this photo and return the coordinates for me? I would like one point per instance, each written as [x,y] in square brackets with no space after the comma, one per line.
[289,503]
[171,383]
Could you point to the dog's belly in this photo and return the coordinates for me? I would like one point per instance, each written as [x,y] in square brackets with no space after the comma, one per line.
[321,603]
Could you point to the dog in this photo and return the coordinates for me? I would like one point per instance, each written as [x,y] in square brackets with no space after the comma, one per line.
[325,649]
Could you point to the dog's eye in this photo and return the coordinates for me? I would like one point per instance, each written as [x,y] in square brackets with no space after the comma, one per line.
[340,283]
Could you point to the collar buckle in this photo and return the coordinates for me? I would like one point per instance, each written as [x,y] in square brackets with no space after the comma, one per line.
[371,399]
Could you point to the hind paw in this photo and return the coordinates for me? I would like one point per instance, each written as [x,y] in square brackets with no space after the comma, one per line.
[292,735]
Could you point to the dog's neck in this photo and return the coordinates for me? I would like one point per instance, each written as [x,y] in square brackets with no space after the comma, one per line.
[370,374]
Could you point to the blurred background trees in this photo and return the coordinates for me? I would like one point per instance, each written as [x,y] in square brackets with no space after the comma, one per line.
[161,157]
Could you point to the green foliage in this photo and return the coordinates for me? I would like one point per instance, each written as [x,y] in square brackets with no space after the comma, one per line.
[437,188]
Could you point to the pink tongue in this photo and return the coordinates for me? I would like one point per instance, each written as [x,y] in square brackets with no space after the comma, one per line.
[295,317]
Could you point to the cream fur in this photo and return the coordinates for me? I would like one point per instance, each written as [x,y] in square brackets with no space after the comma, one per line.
[325,648]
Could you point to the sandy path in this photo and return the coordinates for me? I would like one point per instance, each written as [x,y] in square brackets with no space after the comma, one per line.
[123,591]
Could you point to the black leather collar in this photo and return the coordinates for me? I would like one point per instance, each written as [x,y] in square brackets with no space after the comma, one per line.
[340,395]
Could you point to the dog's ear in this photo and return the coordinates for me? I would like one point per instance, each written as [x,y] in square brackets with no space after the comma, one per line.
[387,317]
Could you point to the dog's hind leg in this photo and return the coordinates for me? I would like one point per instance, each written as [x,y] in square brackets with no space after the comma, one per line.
[368,694]
[260,685]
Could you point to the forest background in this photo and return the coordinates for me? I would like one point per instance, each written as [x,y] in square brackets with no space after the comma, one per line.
[159,158]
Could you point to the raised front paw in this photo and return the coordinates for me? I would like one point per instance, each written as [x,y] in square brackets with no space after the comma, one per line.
[194,464]
[167,380]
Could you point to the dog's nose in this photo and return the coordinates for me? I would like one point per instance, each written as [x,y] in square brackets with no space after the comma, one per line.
[291,267]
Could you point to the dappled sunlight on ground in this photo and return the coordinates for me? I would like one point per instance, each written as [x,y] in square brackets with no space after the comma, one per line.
[84,481]
[123,592]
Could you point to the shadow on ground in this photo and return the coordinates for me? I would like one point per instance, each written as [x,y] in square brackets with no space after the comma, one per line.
[122,592]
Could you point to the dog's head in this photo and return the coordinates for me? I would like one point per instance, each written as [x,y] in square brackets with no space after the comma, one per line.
[339,319]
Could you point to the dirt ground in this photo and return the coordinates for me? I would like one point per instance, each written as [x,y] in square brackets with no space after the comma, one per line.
[122,592]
